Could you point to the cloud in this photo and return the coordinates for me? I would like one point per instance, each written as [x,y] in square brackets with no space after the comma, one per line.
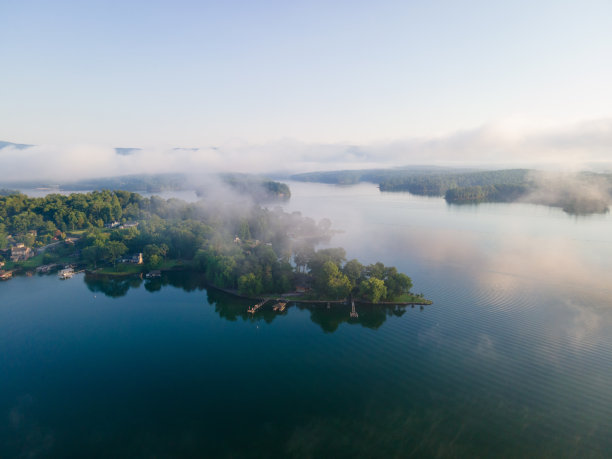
[503,144]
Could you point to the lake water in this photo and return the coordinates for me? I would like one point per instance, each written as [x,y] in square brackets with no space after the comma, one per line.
[514,358]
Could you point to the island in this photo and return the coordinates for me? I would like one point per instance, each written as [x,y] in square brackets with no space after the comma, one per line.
[241,248]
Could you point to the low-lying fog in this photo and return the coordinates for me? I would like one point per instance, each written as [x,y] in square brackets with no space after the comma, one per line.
[495,146]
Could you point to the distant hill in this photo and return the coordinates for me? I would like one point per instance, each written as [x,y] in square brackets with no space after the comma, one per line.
[19,146]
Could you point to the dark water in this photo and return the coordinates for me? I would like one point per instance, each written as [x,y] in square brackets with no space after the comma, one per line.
[513,359]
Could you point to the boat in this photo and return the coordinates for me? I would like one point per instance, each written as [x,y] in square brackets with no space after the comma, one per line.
[66,273]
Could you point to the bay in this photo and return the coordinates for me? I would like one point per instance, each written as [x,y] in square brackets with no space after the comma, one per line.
[513,358]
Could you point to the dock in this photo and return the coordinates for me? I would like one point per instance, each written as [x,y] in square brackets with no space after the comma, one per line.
[66,273]
[353,312]
[280,306]
[253,309]
[5,275]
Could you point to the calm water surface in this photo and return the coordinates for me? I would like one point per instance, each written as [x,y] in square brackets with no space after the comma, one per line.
[513,359]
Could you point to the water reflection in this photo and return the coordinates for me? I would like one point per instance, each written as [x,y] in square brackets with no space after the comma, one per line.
[114,288]
[231,308]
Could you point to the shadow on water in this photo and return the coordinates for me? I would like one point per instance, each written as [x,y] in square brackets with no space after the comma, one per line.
[231,308]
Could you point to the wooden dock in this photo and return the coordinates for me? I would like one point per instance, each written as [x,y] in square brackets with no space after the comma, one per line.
[280,306]
[5,275]
[253,309]
[353,312]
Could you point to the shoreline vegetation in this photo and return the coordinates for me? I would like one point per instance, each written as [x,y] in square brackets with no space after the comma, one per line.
[234,245]
[580,193]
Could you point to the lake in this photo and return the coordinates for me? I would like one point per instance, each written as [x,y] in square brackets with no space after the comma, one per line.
[514,358]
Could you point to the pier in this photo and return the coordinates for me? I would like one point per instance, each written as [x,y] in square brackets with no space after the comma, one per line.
[353,312]
[5,275]
[280,306]
[253,309]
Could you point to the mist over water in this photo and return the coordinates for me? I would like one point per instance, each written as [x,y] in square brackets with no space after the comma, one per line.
[512,359]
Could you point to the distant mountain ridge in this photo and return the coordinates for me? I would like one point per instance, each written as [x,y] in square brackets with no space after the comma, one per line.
[19,146]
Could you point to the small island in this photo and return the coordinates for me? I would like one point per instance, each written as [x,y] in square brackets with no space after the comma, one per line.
[243,249]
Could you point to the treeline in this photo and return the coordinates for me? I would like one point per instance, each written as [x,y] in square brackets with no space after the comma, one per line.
[249,249]
[490,193]
[434,181]
[439,184]
[350,177]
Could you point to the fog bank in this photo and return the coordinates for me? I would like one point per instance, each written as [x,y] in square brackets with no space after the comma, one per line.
[580,146]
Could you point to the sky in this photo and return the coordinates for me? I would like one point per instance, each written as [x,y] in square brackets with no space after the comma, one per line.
[397,81]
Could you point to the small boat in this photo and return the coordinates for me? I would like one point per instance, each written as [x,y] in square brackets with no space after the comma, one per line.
[66,273]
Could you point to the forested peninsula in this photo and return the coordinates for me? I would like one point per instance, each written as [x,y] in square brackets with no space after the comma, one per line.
[242,248]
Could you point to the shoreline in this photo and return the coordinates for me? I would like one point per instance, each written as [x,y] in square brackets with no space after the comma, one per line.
[287,296]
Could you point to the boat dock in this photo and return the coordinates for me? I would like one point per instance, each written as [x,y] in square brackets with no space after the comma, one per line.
[280,306]
[68,272]
[353,312]
[5,275]
[253,309]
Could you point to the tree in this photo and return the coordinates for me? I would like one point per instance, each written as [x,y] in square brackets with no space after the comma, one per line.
[245,231]
[397,284]
[91,254]
[302,254]
[373,289]
[354,270]
[330,281]
[249,284]
[114,250]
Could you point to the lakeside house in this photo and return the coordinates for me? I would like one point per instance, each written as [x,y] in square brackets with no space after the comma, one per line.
[20,252]
[135,259]
[112,224]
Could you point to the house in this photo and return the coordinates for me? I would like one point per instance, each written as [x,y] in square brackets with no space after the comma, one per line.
[136,259]
[129,225]
[112,224]
[20,252]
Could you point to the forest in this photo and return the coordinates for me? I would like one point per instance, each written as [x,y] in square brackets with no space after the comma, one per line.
[241,247]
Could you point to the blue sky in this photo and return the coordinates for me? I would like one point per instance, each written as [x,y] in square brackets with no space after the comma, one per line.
[182,73]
